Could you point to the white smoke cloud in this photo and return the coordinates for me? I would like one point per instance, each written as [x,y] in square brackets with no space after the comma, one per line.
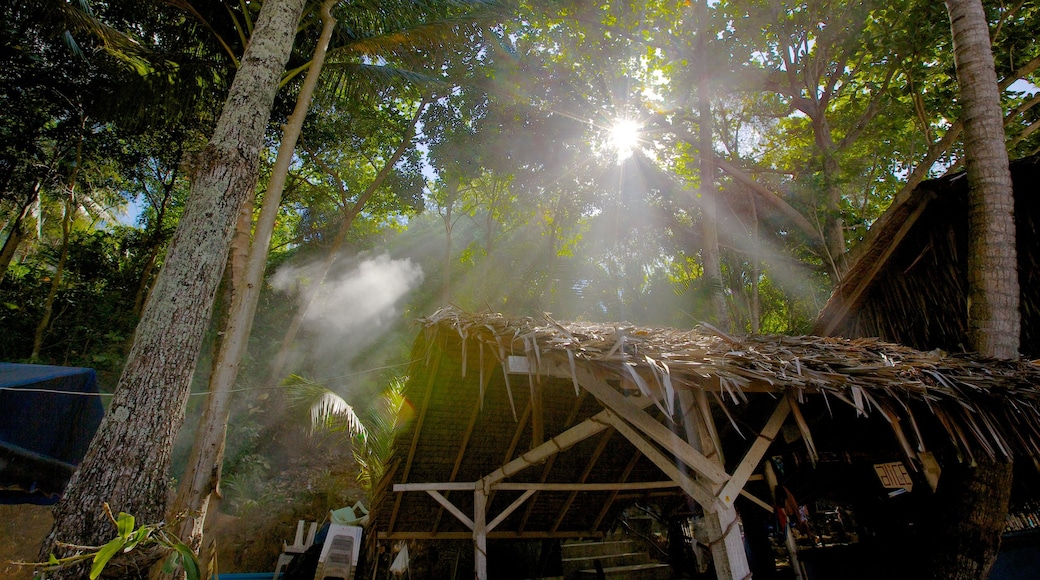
[363,298]
[352,309]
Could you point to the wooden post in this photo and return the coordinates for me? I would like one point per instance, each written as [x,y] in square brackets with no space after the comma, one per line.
[480,533]
[721,520]
[792,547]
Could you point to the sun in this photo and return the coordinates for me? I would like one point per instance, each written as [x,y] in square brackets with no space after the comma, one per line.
[624,137]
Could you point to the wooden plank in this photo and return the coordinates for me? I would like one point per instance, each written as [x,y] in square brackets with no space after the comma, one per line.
[584,476]
[577,487]
[757,501]
[646,424]
[755,453]
[512,507]
[506,535]
[443,486]
[851,299]
[451,508]
[480,534]
[462,446]
[561,442]
[571,417]
[614,496]
[696,490]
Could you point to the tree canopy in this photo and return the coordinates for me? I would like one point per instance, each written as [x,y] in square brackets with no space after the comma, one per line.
[593,160]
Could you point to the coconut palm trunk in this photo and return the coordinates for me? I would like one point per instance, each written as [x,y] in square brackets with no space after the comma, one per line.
[975,497]
[994,322]
[128,461]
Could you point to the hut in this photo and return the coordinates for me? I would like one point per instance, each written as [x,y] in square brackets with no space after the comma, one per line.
[906,281]
[531,429]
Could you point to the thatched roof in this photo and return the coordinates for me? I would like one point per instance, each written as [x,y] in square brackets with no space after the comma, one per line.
[906,282]
[480,379]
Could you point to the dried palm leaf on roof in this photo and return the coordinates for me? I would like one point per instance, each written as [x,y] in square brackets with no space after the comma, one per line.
[988,406]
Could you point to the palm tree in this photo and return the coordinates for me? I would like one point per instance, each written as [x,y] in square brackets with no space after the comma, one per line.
[968,543]
[371,436]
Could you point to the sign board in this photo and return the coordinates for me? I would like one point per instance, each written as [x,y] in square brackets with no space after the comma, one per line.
[894,475]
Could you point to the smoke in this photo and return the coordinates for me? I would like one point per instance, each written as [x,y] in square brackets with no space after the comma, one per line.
[352,309]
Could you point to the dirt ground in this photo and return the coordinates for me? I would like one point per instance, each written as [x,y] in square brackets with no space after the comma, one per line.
[238,548]
[22,529]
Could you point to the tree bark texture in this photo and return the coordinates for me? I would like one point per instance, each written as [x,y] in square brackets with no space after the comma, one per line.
[128,460]
[994,321]
[970,509]
[207,455]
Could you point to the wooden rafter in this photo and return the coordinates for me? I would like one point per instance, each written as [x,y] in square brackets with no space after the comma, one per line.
[614,496]
[575,408]
[584,476]
[418,430]
[463,445]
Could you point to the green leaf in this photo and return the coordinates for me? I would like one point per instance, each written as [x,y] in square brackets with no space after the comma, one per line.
[52,560]
[104,555]
[125,524]
[188,560]
[171,563]
[142,534]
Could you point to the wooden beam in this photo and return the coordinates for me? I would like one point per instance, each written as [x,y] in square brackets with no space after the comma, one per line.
[754,455]
[577,487]
[463,445]
[451,508]
[851,300]
[537,420]
[480,534]
[696,490]
[571,417]
[584,476]
[614,495]
[512,507]
[443,486]
[757,501]
[664,436]
[507,535]
[561,442]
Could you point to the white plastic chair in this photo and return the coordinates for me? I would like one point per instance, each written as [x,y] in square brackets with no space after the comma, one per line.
[298,546]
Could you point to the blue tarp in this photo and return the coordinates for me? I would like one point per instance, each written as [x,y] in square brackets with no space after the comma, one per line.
[48,415]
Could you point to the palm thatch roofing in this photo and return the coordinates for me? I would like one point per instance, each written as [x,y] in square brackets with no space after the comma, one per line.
[906,281]
[530,405]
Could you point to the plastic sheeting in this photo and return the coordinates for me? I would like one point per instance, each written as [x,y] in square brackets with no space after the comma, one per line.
[48,416]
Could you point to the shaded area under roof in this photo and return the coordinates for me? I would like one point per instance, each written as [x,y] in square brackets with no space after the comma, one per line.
[559,422]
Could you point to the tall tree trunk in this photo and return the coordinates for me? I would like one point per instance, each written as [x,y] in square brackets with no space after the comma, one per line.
[994,322]
[706,146]
[128,461]
[207,455]
[980,493]
[16,233]
[66,231]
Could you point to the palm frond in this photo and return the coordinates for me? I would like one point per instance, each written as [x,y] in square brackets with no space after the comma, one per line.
[79,18]
[328,411]
[365,82]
